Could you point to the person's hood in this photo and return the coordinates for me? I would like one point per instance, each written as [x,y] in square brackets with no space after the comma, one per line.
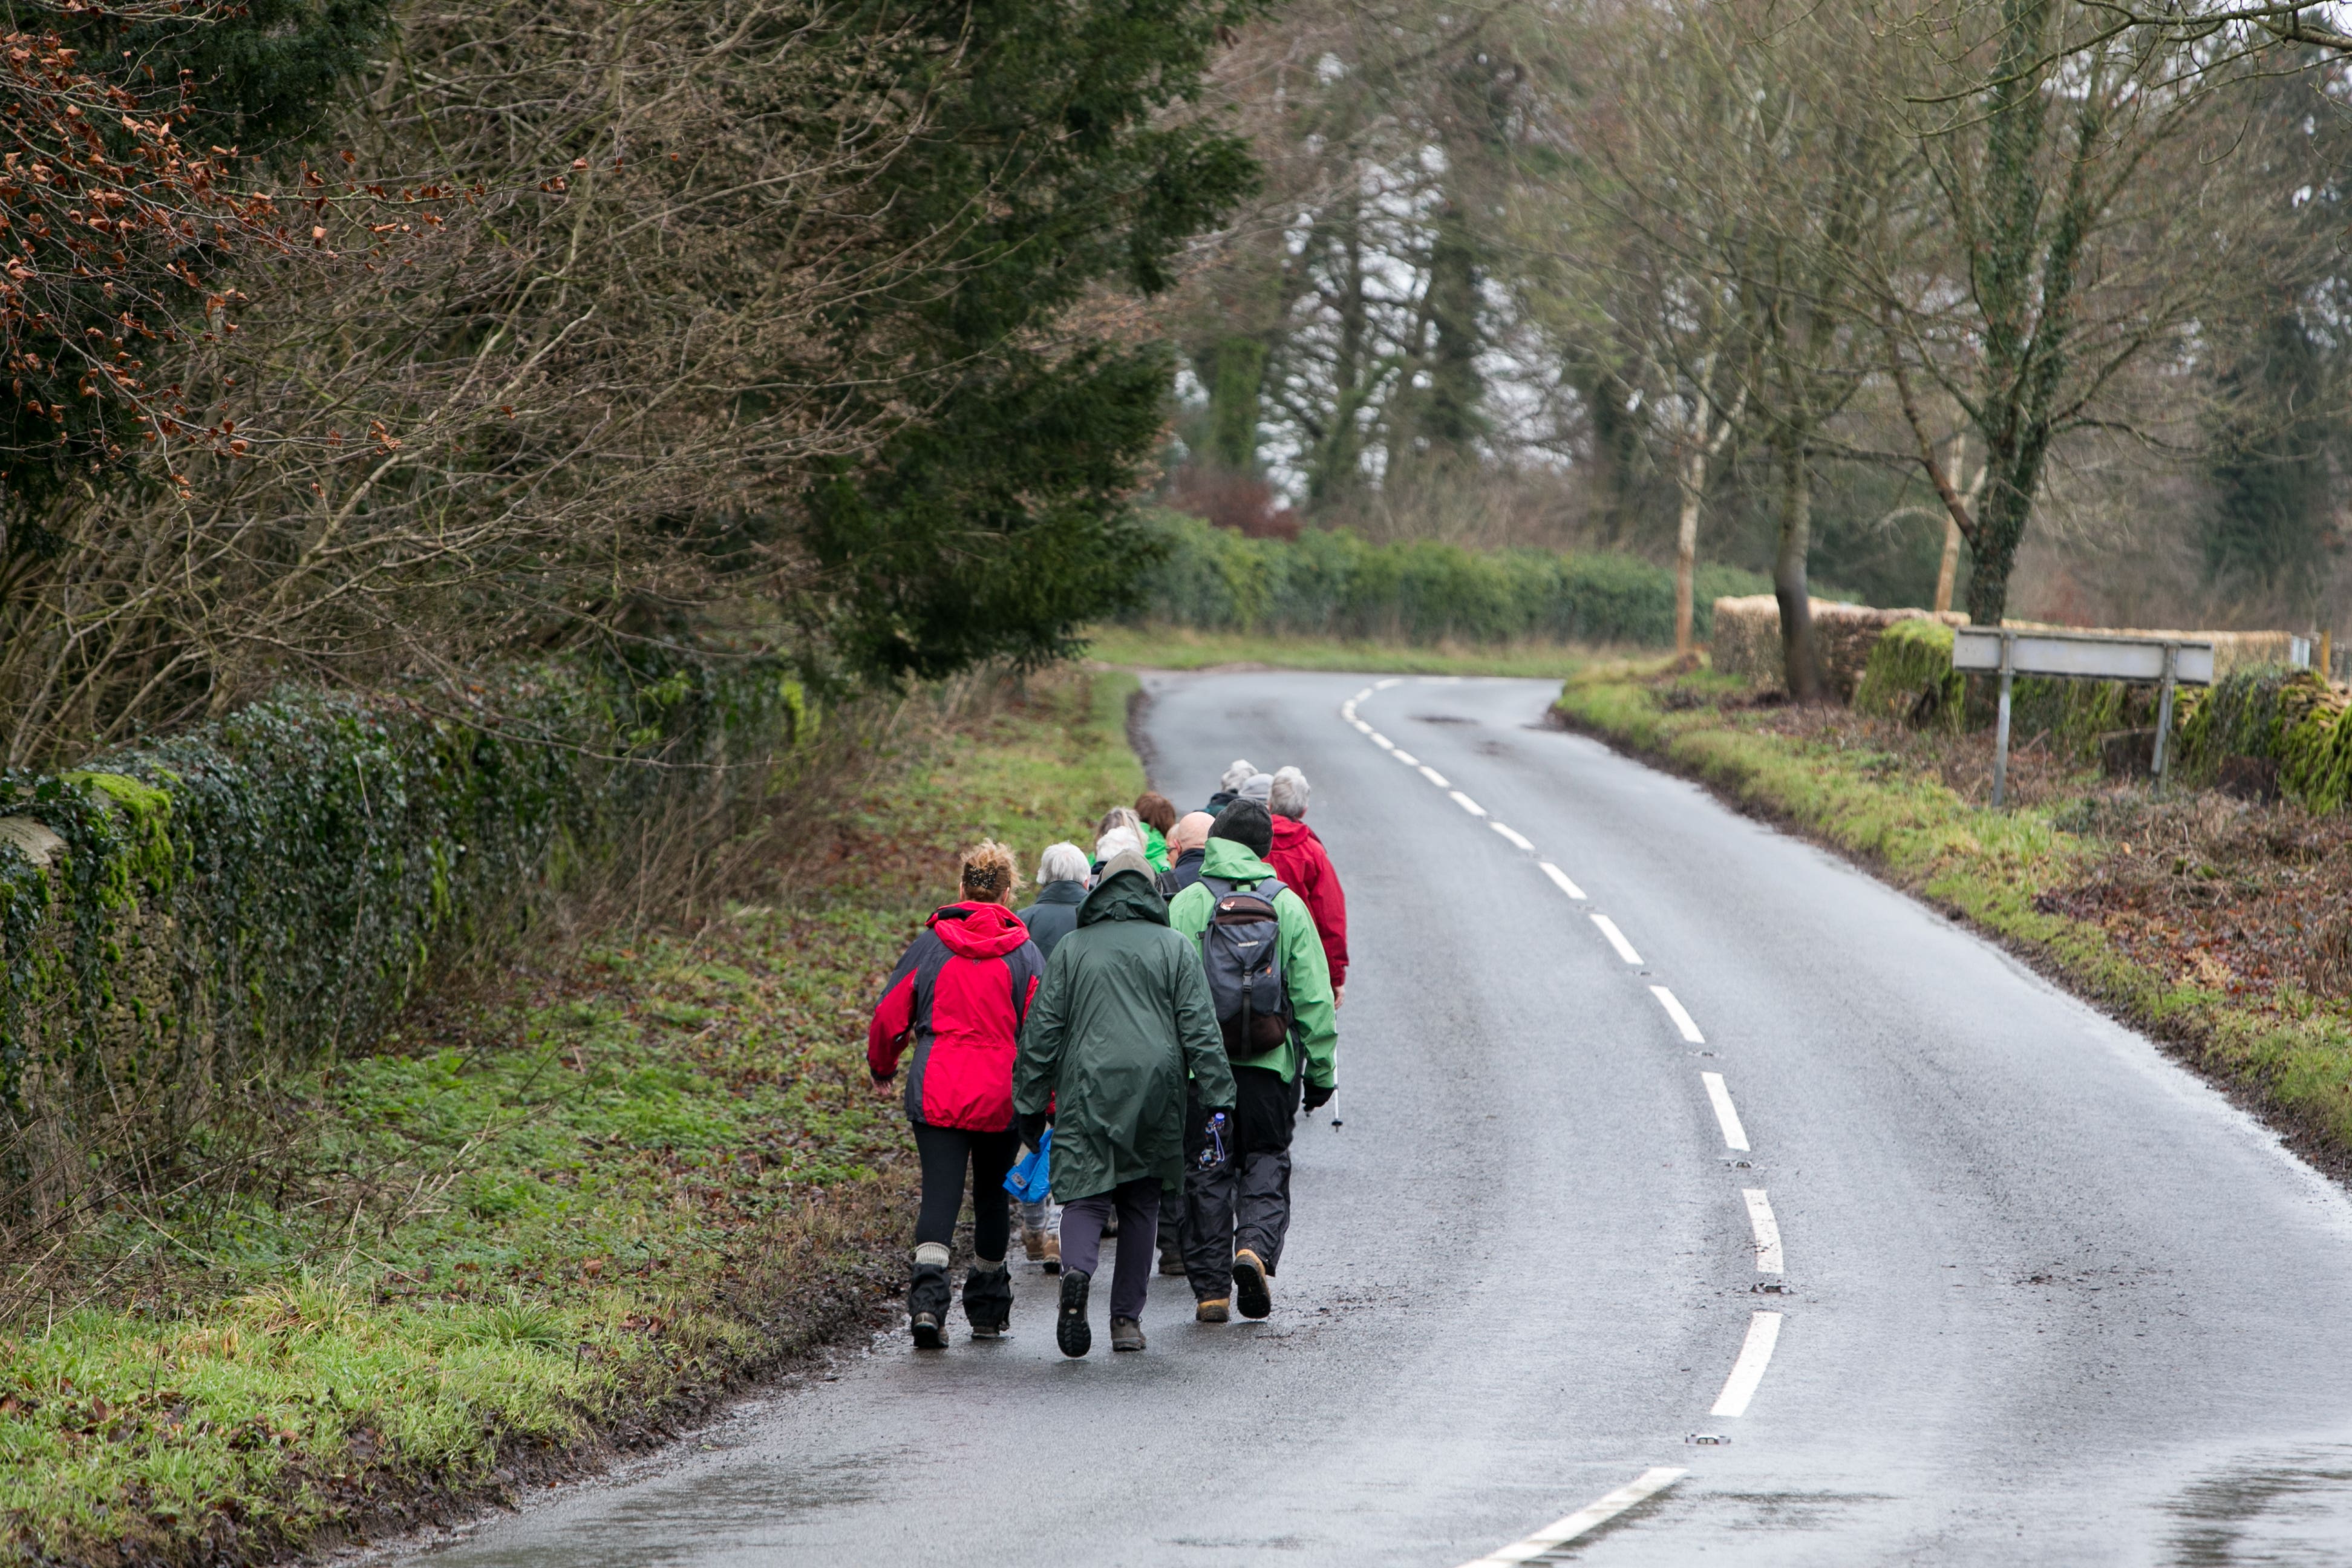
[1124,892]
[1218,802]
[1233,862]
[1291,830]
[1062,894]
[1192,854]
[979,930]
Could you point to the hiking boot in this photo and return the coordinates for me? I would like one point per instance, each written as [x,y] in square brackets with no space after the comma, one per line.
[1171,1256]
[1250,1293]
[1125,1334]
[1070,1331]
[1053,1252]
[1110,1226]
[1033,1243]
[1214,1311]
[988,1300]
[928,1296]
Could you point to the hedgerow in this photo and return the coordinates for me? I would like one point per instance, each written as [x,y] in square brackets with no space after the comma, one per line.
[1332,582]
[267,888]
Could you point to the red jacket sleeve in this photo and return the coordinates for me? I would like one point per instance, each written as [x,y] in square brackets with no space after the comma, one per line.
[1327,903]
[894,1017]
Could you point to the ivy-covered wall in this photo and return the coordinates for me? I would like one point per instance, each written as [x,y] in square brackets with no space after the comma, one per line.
[182,919]
[2290,717]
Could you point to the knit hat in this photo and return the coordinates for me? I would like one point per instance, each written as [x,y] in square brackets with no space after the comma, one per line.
[1247,824]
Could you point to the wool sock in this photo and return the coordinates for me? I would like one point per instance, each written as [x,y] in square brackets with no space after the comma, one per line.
[934,1253]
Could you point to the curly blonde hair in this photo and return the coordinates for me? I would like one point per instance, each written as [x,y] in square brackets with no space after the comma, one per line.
[988,875]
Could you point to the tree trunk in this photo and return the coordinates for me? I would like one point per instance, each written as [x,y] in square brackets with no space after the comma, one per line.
[2000,525]
[1789,585]
[1235,391]
[1949,569]
[1693,476]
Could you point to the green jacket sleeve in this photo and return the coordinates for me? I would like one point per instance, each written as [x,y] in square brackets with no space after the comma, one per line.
[1188,914]
[1037,1066]
[1196,1027]
[1309,975]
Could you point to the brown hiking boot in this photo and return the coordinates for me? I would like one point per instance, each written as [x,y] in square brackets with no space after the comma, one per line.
[1212,1311]
[1125,1334]
[1249,1285]
[1033,1243]
[1052,1251]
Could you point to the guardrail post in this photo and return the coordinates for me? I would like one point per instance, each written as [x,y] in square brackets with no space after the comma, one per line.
[2164,716]
[2001,728]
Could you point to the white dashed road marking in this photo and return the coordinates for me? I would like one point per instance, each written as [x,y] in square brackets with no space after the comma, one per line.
[1382,742]
[1407,758]
[1559,879]
[1434,776]
[1679,1014]
[1466,804]
[1512,833]
[1735,1136]
[1591,1516]
[1617,939]
[1767,1229]
[1755,1355]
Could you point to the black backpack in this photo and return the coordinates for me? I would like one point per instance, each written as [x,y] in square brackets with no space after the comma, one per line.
[1242,951]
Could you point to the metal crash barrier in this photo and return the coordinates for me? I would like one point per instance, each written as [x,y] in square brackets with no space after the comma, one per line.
[2079,655]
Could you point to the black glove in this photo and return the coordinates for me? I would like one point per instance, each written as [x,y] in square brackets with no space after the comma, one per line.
[1318,1095]
[1033,1128]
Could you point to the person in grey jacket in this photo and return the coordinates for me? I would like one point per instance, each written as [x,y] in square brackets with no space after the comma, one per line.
[1060,888]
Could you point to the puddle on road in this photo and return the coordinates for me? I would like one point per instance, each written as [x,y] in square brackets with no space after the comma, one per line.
[2286,1509]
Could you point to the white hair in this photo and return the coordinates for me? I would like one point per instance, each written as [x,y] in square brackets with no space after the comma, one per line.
[1257,787]
[1120,839]
[1063,862]
[1237,775]
[1287,795]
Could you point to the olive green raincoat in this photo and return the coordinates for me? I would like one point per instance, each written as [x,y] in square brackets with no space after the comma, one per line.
[1123,1015]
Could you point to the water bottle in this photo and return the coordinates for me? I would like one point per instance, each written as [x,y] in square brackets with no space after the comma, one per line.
[1214,1155]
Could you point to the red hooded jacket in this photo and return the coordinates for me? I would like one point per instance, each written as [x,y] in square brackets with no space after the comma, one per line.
[1297,859]
[961,992]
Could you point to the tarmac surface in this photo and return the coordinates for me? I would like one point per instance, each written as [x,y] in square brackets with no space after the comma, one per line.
[2043,1295]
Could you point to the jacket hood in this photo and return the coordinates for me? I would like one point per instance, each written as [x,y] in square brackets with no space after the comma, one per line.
[979,930]
[1291,830]
[1233,862]
[1124,893]
[1062,894]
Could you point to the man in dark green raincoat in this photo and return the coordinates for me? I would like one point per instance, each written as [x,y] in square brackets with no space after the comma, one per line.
[1122,1019]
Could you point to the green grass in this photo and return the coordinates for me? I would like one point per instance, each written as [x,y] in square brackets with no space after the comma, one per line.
[503,1239]
[1181,647]
[2291,1051]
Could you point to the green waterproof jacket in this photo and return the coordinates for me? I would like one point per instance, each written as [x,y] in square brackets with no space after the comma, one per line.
[1121,1020]
[1315,1031]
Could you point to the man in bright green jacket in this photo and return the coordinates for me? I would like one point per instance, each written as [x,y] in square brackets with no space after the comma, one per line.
[1238,1213]
[1121,1039]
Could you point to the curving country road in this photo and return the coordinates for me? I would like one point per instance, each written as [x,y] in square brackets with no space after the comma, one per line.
[2040,1296]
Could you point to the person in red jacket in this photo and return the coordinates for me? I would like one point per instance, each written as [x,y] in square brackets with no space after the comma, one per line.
[960,995]
[1298,859]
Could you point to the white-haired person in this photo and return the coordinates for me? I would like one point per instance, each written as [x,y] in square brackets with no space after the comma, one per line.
[1229,787]
[1062,873]
[1299,859]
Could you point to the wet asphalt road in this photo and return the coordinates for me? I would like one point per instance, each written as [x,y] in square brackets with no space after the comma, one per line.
[2048,1299]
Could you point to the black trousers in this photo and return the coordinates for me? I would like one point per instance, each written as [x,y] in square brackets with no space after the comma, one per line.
[948,1152]
[1244,1203]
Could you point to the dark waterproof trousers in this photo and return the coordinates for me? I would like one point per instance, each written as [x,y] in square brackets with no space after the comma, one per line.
[947,1153]
[1246,1202]
[1137,1204]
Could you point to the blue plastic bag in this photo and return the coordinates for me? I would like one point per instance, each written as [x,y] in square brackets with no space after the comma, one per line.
[1032,1177]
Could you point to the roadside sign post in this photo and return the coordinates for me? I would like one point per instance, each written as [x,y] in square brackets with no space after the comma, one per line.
[2166,662]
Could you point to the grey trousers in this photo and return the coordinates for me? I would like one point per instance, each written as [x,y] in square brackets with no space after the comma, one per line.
[1246,1202]
[1138,1221]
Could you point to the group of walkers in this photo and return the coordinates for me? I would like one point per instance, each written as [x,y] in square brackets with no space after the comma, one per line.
[1148,1029]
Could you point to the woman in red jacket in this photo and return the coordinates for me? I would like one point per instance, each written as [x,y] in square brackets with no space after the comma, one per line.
[960,994]
[1298,859]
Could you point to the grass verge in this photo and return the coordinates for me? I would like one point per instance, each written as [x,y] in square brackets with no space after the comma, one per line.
[2215,925]
[543,1221]
[1181,647]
